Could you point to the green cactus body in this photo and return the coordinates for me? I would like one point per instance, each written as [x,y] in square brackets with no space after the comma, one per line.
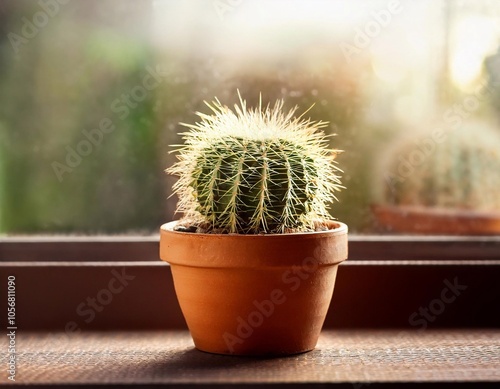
[263,173]
[462,172]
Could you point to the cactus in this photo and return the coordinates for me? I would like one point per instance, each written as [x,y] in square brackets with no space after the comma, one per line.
[462,172]
[254,171]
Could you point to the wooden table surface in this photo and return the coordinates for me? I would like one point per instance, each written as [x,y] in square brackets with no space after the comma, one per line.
[356,358]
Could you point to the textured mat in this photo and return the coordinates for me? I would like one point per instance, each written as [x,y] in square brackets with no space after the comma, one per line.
[341,356]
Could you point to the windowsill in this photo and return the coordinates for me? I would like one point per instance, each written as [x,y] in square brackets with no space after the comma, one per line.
[365,357]
[140,338]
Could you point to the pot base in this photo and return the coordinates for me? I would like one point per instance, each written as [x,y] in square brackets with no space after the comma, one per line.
[265,311]
[256,353]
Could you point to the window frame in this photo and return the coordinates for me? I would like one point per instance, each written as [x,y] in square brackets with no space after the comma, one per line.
[385,280]
[146,248]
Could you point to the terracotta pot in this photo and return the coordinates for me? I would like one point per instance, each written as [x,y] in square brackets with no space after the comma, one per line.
[254,294]
[436,221]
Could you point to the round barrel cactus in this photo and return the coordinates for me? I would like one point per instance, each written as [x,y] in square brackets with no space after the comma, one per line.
[255,171]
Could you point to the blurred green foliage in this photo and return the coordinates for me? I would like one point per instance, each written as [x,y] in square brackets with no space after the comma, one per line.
[59,84]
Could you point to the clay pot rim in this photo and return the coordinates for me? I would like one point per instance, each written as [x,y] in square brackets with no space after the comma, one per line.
[336,228]
[252,251]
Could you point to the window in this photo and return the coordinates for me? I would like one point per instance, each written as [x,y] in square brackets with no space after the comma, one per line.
[93,93]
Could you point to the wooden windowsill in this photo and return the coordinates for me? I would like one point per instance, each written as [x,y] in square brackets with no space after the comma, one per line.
[371,358]
[139,338]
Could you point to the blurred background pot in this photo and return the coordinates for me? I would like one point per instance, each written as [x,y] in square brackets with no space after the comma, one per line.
[446,184]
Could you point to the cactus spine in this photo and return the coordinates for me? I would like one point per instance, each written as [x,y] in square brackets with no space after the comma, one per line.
[255,171]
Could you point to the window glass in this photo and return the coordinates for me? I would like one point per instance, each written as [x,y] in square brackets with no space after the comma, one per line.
[92,94]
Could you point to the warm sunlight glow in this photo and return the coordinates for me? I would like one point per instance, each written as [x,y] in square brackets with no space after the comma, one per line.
[471,41]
